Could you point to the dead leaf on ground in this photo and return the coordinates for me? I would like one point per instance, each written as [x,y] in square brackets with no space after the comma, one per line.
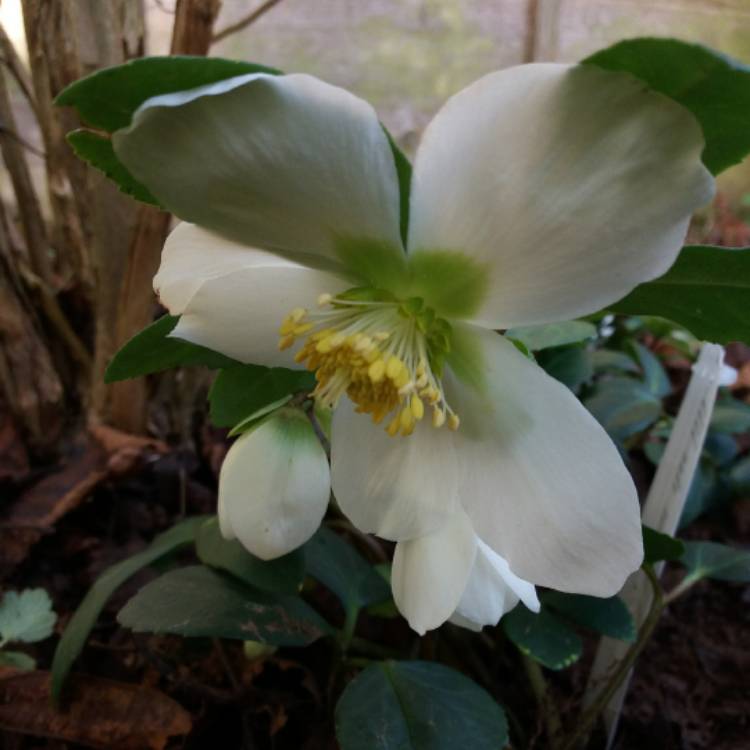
[113,440]
[14,459]
[97,713]
[94,457]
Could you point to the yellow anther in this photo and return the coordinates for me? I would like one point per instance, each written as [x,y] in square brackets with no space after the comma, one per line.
[417,407]
[378,415]
[297,314]
[385,373]
[286,342]
[376,371]
[394,425]
[406,419]
[431,394]
[363,343]
[405,390]
[402,379]
[393,367]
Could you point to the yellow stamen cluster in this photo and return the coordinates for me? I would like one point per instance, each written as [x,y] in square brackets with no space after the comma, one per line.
[374,356]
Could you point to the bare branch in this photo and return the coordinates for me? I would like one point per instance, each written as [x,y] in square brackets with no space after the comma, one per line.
[243,23]
[10,59]
[194,26]
[27,201]
[6,131]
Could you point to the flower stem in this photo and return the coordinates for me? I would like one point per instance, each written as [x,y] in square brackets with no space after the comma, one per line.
[588,718]
[550,715]
[350,623]
[363,646]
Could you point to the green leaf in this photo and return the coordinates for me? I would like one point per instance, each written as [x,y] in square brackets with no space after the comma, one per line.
[610,616]
[17,660]
[284,574]
[705,489]
[707,291]
[720,448]
[624,407]
[79,627]
[654,375]
[98,152]
[535,338]
[717,561]
[658,546]
[739,476]
[152,350]
[713,86]
[199,602]
[543,637]
[242,390]
[108,98]
[26,616]
[570,365]
[340,568]
[607,359]
[403,172]
[730,416]
[417,705]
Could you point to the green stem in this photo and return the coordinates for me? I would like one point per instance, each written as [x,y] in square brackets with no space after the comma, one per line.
[550,715]
[350,623]
[363,646]
[588,718]
[686,583]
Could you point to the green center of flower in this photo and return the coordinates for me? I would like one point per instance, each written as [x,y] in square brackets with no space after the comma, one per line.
[385,354]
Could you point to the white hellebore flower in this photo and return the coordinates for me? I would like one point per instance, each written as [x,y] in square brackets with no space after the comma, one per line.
[540,193]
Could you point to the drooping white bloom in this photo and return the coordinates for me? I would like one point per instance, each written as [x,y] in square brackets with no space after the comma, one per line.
[540,193]
[274,485]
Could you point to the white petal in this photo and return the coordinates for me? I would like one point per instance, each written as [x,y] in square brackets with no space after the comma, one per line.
[430,573]
[491,591]
[395,487]
[225,522]
[239,313]
[572,184]
[192,255]
[274,485]
[285,163]
[543,483]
